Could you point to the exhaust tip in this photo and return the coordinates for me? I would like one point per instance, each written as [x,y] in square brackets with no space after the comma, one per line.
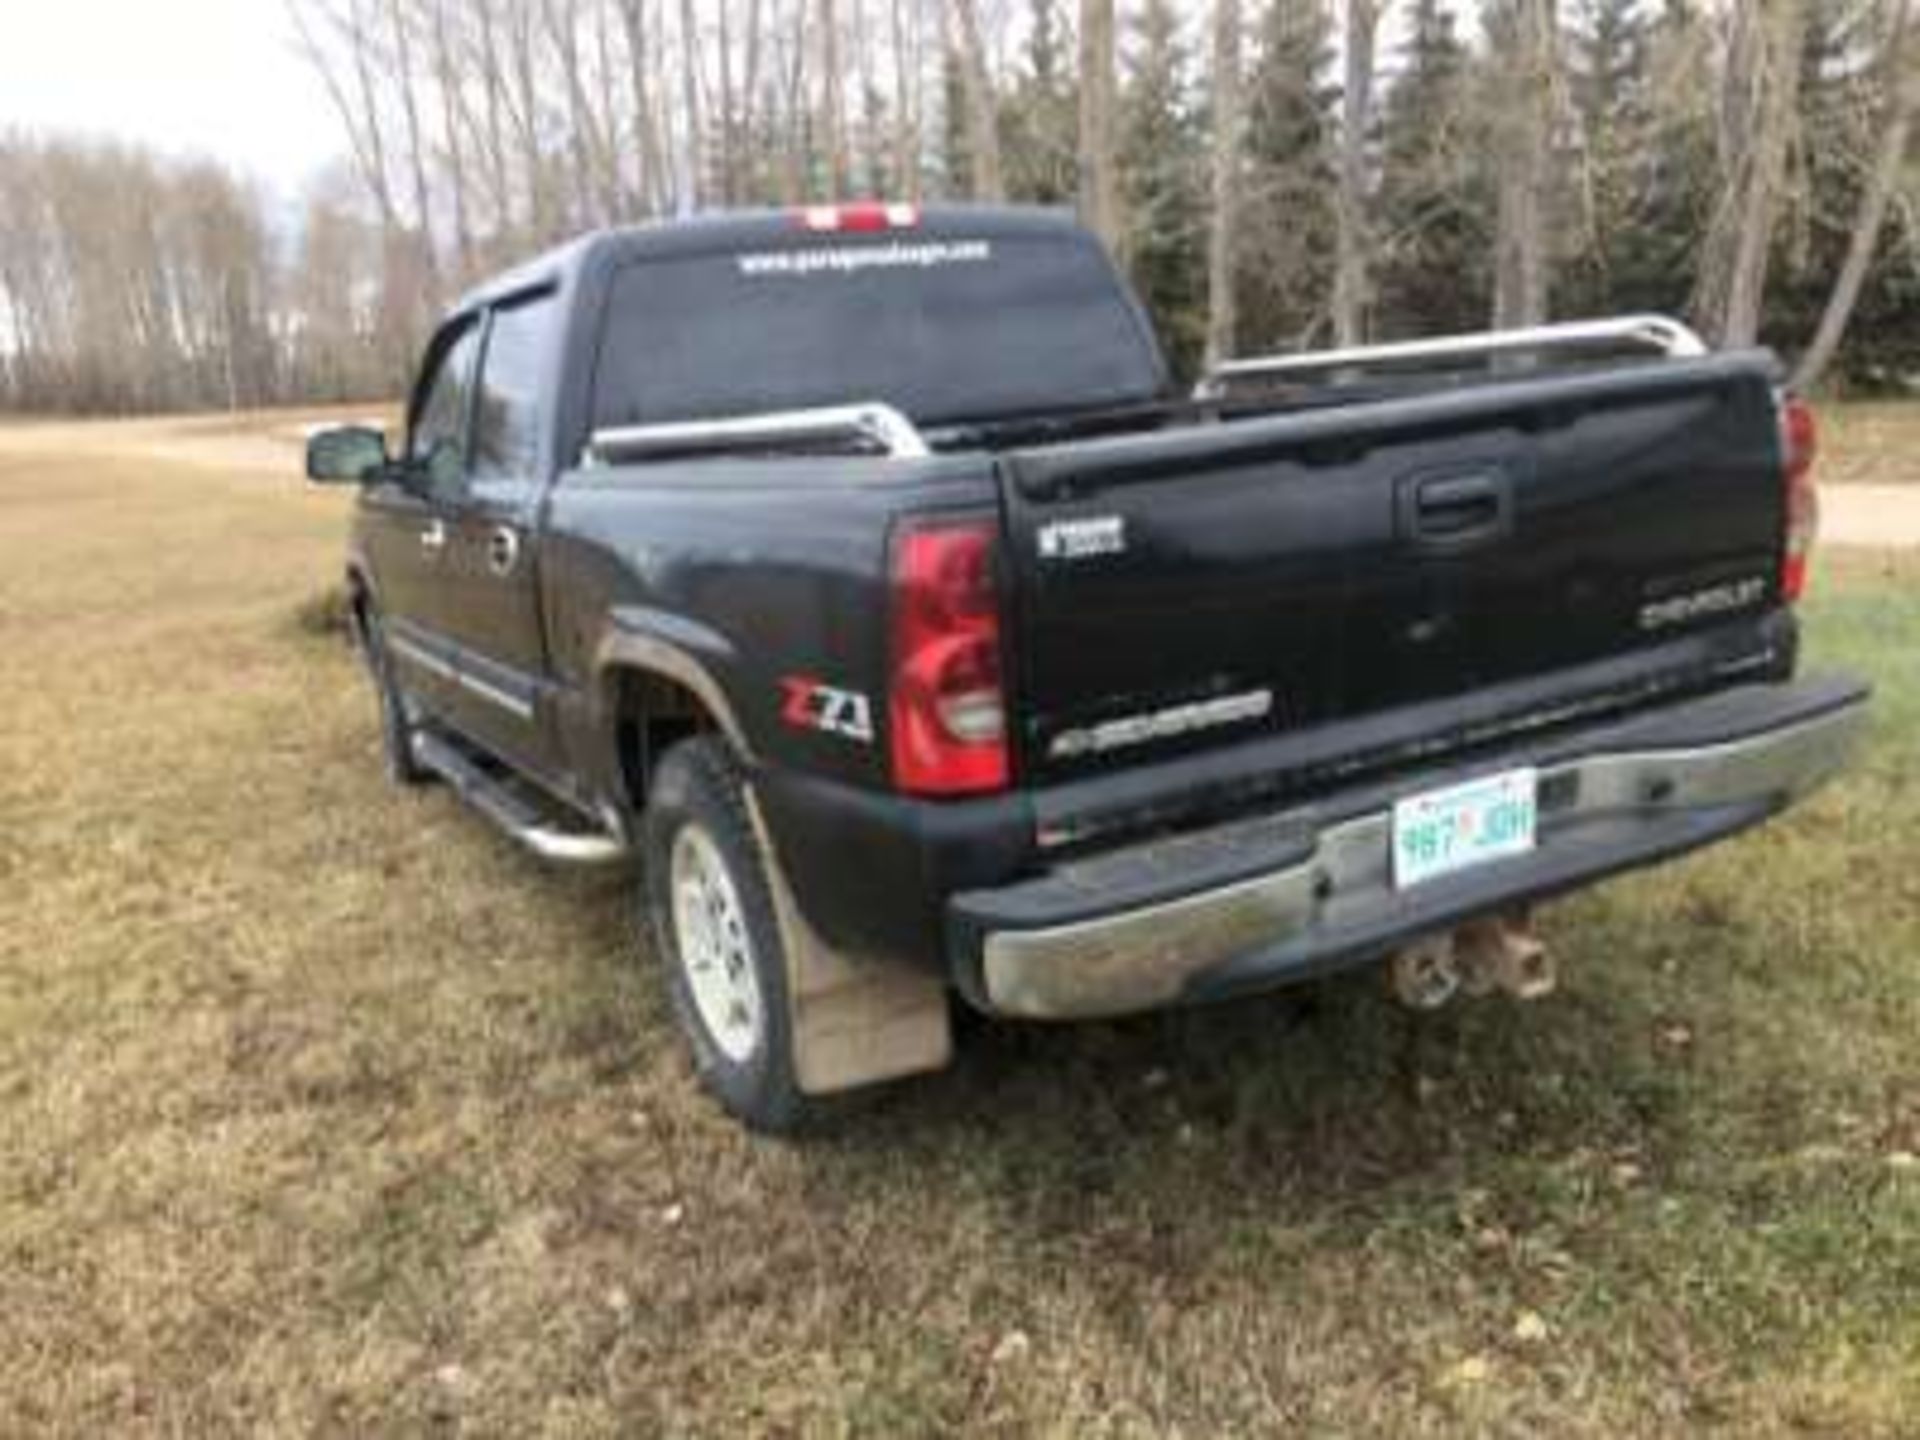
[1425,975]
[1503,952]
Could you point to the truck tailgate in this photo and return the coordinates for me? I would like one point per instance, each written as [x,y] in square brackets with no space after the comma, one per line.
[1228,581]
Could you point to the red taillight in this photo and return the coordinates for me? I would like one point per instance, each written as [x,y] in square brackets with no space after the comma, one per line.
[861,217]
[946,709]
[1798,443]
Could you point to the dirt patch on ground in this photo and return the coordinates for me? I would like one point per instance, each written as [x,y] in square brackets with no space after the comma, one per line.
[1873,515]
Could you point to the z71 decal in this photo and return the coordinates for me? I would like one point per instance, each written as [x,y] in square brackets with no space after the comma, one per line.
[812,705]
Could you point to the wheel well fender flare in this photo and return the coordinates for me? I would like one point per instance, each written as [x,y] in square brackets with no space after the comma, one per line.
[676,653]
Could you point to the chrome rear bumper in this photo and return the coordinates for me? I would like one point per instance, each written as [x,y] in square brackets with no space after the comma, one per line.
[1627,800]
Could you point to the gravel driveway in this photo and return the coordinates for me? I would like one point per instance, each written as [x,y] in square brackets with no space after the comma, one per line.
[1870,515]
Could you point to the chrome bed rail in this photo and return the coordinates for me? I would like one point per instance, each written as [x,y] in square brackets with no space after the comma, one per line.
[1657,333]
[869,423]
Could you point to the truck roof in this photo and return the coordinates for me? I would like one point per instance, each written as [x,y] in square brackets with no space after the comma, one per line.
[726,230]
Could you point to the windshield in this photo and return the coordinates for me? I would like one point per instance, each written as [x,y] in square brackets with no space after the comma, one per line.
[943,329]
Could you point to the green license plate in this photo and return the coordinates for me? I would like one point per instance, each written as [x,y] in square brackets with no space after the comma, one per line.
[1445,831]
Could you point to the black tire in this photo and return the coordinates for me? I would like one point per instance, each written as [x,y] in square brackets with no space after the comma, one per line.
[397,717]
[697,800]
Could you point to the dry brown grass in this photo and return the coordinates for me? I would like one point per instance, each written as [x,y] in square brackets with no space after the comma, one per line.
[322,1109]
[1870,442]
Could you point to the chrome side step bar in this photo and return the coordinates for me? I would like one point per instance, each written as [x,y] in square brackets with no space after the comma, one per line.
[510,805]
[1657,333]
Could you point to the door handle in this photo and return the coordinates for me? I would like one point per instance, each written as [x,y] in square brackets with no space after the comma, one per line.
[433,538]
[503,549]
[1441,512]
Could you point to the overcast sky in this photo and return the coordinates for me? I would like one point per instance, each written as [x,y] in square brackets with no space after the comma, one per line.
[213,77]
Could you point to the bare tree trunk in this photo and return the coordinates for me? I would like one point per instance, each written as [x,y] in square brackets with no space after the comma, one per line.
[983,127]
[453,119]
[1902,72]
[696,160]
[1352,249]
[1781,87]
[795,159]
[523,92]
[493,78]
[1762,89]
[751,161]
[906,97]
[833,110]
[722,120]
[1221,312]
[402,31]
[358,115]
[633,20]
[563,26]
[1099,181]
[613,200]
[1526,127]
[873,180]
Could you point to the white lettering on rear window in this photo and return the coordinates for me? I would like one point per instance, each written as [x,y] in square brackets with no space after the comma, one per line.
[846,259]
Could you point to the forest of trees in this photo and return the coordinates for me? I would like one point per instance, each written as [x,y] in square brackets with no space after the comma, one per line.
[1272,173]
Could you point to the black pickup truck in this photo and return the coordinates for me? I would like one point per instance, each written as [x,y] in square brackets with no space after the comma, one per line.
[862,572]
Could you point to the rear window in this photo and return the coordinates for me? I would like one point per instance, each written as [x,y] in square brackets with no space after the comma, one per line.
[946,328]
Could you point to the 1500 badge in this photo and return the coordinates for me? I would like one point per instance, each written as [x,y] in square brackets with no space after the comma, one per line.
[812,705]
[1082,539]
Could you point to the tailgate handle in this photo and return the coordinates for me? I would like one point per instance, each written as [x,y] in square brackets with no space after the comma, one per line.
[1444,511]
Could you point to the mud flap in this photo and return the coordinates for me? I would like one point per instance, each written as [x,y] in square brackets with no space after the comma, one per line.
[854,1021]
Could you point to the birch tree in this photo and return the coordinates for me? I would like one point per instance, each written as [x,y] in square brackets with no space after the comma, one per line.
[1351,244]
[1757,121]
[1225,228]
[1099,180]
[983,128]
[1527,62]
[1900,70]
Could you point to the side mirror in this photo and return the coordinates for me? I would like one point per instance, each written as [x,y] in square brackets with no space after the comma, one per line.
[346,455]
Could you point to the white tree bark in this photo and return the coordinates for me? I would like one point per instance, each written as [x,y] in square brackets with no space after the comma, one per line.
[1761,92]
[1902,71]
[1525,124]
[1099,172]
[983,128]
[1221,311]
[1352,248]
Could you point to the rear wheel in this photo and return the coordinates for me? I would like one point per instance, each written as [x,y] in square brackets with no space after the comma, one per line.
[713,924]
[398,719]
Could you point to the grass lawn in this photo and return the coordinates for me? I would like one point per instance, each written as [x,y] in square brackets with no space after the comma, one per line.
[321,1108]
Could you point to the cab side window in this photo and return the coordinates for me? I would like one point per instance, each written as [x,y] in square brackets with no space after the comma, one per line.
[438,444]
[506,432]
